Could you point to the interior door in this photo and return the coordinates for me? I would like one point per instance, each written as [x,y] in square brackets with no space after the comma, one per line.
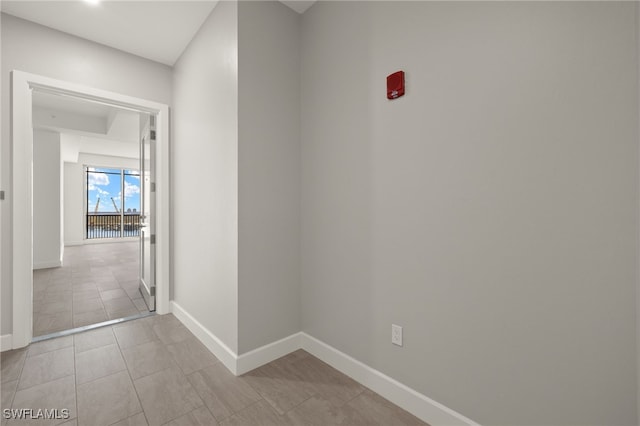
[147,206]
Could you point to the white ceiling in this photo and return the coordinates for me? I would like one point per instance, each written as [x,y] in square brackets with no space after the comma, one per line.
[159,30]
[71,115]
[72,105]
[156,30]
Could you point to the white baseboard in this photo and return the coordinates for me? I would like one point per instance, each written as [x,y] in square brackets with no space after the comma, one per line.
[403,396]
[49,264]
[215,345]
[6,342]
[110,240]
[267,353]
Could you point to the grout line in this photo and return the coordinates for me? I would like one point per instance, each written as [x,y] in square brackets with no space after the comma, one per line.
[130,377]
[75,384]
[13,398]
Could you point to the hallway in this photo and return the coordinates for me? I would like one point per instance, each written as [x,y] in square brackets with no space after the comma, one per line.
[96,283]
[153,371]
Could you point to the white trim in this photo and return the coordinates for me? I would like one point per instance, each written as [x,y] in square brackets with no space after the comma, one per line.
[73,243]
[22,217]
[265,354]
[403,396]
[48,264]
[115,240]
[210,340]
[6,342]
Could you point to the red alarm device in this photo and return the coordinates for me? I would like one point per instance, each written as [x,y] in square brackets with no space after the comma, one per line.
[395,85]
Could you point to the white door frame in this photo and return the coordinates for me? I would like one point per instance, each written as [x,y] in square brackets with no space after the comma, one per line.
[22,84]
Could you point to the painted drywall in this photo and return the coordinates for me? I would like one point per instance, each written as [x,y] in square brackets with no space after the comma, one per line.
[637,15]
[36,49]
[492,211]
[204,174]
[268,173]
[73,204]
[47,200]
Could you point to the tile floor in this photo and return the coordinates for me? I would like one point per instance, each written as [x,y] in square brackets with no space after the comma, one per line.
[153,371]
[97,282]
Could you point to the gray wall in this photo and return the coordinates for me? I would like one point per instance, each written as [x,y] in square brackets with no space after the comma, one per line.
[492,211]
[205,175]
[268,173]
[73,204]
[47,200]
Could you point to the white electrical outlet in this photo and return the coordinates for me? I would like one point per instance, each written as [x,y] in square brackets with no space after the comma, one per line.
[396,334]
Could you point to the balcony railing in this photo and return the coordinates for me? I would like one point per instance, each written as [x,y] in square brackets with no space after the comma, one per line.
[113,225]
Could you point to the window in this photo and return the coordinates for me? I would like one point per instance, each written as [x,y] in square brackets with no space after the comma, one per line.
[113,203]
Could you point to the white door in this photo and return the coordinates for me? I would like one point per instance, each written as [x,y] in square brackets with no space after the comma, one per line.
[147,206]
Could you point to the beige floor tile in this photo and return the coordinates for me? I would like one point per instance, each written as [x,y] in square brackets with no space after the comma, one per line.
[132,291]
[136,420]
[260,413]
[88,318]
[147,358]
[49,345]
[59,394]
[191,355]
[45,307]
[165,320]
[133,333]
[198,417]
[87,305]
[112,294]
[296,356]
[326,381]
[280,384]
[83,285]
[140,304]
[104,275]
[50,323]
[123,313]
[94,339]
[169,332]
[222,392]
[166,395]
[108,285]
[7,391]
[378,411]
[98,362]
[179,382]
[47,367]
[72,422]
[86,294]
[317,411]
[11,363]
[107,400]
[59,285]
[119,304]
[46,297]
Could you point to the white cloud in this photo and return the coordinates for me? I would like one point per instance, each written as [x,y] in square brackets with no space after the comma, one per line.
[130,189]
[101,179]
[102,192]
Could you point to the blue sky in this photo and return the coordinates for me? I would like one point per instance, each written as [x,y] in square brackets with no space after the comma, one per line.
[106,183]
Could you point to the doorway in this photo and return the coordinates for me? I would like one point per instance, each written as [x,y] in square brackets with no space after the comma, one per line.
[99,279]
[156,228]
